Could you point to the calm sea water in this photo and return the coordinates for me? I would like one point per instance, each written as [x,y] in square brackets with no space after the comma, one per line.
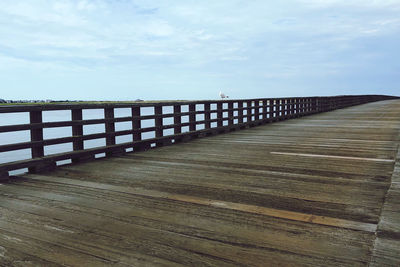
[51,116]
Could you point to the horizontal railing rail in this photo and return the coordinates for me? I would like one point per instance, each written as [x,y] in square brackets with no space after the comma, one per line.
[190,119]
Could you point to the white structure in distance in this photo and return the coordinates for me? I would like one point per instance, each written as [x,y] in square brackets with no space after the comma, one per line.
[222,95]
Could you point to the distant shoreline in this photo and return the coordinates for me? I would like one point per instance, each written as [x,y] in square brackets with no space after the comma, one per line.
[89,102]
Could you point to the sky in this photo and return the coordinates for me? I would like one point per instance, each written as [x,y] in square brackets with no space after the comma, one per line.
[192,49]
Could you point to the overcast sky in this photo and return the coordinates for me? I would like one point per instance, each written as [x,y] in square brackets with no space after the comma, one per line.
[192,49]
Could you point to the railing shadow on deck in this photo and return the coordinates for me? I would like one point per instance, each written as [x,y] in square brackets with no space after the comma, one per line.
[202,118]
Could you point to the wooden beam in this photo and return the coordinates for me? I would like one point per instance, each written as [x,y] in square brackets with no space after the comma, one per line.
[77,131]
[207,116]
[110,128]
[240,111]
[36,135]
[158,123]
[177,119]
[230,113]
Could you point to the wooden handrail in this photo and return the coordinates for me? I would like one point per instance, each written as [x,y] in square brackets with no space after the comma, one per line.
[219,116]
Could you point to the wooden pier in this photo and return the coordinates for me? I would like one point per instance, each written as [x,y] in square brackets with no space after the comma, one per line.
[320,190]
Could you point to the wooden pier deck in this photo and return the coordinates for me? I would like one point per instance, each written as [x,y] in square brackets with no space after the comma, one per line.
[308,191]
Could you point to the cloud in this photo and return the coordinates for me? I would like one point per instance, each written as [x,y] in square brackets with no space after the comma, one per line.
[252,42]
[159,28]
[353,3]
[223,30]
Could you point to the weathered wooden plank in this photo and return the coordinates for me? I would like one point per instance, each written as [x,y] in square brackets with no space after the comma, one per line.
[215,230]
[296,216]
[386,251]
[301,186]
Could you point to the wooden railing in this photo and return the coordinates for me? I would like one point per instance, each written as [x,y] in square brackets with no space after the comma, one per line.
[201,118]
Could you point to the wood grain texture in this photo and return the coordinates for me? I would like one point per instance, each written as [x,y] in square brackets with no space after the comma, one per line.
[246,198]
[386,250]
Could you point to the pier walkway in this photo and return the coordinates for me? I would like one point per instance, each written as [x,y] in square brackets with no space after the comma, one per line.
[321,190]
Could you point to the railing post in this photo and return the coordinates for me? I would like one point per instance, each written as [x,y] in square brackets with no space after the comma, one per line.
[306,105]
[274,109]
[177,119]
[294,108]
[277,109]
[192,117]
[110,128]
[4,176]
[219,114]
[264,110]
[136,126]
[249,113]
[305,101]
[284,109]
[269,107]
[280,108]
[77,132]
[301,106]
[230,113]
[158,123]
[329,103]
[240,112]
[321,104]
[37,135]
[325,104]
[313,104]
[257,110]
[207,116]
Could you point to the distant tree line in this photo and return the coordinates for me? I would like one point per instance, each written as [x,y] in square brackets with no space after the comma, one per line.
[36,101]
